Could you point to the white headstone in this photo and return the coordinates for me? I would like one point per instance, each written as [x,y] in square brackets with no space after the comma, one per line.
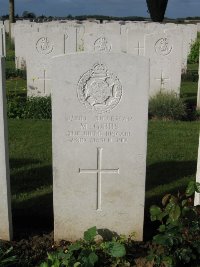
[42,46]
[2,41]
[100,114]
[197,195]
[102,37]
[5,196]
[165,53]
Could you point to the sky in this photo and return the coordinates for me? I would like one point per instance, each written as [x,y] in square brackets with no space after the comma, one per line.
[175,8]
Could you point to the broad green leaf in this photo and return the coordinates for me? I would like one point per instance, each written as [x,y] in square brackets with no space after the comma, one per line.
[90,234]
[93,258]
[175,213]
[77,264]
[44,264]
[190,190]
[155,210]
[168,261]
[162,228]
[117,250]
[75,246]
[160,239]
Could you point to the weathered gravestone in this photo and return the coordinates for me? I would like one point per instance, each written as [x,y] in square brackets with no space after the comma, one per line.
[100,113]
[165,53]
[5,206]
[102,38]
[2,41]
[197,195]
[43,45]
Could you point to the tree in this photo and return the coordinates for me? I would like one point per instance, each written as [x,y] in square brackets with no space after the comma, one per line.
[157,9]
[28,15]
[11,14]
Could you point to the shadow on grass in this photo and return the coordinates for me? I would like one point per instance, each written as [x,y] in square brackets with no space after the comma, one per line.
[18,163]
[27,180]
[33,217]
[166,172]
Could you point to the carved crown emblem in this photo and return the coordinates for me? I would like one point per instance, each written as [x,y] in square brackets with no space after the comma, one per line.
[98,89]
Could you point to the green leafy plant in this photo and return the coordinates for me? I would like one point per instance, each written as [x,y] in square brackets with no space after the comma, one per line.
[194,52]
[167,106]
[178,240]
[6,257]
[89,251]
[31,108]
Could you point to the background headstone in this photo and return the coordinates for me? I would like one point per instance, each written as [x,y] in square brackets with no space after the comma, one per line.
[165,53]
[42,46]
[2,41]
[99,120]
[5,196]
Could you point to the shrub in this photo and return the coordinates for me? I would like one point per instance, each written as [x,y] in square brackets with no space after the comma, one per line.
[194,53]
[178,240]
[6,257]
[167,106]
[38,108]
[91,251]
[30,108]
[11,72]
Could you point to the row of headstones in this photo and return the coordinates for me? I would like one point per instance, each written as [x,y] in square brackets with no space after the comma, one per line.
[99,129]
[167,46]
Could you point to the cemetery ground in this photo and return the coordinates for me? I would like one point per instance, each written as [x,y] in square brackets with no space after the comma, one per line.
[171,164]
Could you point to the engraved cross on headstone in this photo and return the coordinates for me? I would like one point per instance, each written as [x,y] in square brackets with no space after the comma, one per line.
[139,48]
[44,79]
[163,80]
[99,171]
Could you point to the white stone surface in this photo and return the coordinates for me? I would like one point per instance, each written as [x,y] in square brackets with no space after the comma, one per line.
[165,53]
[102,37]
[2,41]
[198,27]
[42,46]
[6,24]
[100,116]
[5,195]
[197,195]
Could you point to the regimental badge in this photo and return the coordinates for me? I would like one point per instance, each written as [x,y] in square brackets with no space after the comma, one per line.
[163,47]
[102,45]
[99,90]
[44,46]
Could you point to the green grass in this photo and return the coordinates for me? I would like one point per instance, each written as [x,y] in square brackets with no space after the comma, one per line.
[171,163]
[194,66]
[31,175]
[16,86]
[189,90]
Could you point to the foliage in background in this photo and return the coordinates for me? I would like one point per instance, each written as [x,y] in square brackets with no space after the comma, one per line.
[90,251]
[194,53]
[178,241]
[29,108]
[11,72]
[167,106]
[6,257]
